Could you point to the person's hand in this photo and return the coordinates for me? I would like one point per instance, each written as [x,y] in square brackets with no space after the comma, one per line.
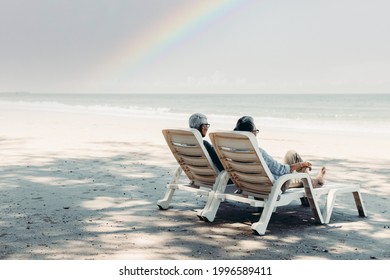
[305,164]
[300,166]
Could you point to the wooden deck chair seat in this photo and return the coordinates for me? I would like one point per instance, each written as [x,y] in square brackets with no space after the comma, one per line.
[187,147]
[244,164]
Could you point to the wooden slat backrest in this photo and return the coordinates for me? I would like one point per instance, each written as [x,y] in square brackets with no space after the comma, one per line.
[187,147]
[241,158]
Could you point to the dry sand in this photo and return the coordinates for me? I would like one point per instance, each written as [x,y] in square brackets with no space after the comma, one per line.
[82,186]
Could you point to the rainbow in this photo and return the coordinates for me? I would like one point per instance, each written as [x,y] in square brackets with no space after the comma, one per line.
[189,18]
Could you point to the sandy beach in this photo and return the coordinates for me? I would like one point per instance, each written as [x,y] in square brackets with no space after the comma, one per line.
[79,186]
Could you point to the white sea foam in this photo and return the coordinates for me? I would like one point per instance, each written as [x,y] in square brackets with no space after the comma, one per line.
[345,114]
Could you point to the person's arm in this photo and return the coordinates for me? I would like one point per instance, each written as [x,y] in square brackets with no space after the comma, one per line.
[274,166]
[279,169]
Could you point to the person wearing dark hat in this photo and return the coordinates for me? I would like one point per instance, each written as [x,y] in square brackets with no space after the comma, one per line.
[199,122]
[291,162]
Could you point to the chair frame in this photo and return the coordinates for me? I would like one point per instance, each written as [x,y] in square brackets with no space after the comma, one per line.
[268,193]
[194,161]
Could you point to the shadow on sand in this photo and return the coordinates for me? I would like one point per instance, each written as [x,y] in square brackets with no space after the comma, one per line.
[105,208]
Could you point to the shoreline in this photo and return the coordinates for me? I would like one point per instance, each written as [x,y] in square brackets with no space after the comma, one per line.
[320,120]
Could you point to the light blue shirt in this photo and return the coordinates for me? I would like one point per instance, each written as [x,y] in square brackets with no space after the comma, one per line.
[277,169]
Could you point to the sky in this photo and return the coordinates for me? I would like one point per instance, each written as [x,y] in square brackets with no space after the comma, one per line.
[195,46]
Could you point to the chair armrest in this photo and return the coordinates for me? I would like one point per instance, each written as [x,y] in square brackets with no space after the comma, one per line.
[296,175]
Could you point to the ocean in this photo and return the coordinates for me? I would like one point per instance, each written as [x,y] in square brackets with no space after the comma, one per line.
[343,113]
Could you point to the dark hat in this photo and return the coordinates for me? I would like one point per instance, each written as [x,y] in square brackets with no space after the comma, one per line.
[245,123]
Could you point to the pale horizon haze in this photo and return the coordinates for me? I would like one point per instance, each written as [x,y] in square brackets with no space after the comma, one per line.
[195,46]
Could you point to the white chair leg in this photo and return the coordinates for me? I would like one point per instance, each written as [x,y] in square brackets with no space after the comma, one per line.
[210,198]
[166,200]
[210,210]
[261,226]
[328,209]
[312,199]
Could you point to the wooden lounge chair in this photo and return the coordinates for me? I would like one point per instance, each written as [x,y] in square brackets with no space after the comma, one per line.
[244,164]
[187,147]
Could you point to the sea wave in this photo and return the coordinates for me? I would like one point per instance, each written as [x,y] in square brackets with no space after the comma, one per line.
[107,110]
[226,121]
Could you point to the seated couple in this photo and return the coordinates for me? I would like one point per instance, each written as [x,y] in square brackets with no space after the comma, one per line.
[291,162]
